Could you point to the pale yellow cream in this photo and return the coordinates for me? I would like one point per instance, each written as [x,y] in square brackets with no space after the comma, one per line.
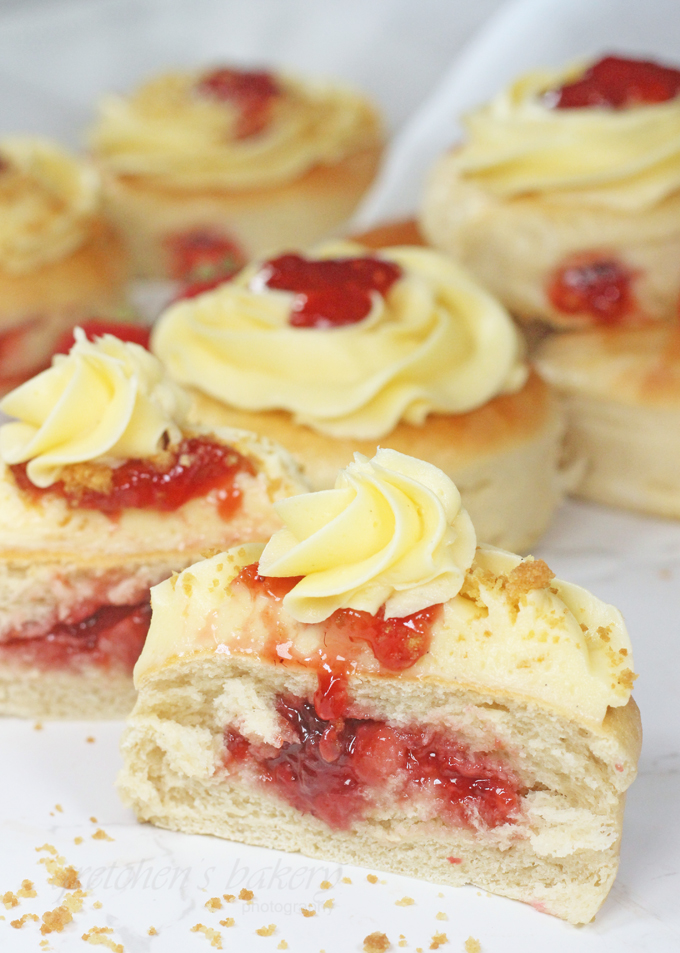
[392,532]
[557,645]
[169,132]
[436,343]
[47,201]
[622,159]
[106,401]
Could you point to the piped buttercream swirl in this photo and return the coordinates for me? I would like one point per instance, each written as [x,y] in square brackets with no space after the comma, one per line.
[169,132]
[392,533]
[435,343]
[623,159]
[105,401]
[47,201]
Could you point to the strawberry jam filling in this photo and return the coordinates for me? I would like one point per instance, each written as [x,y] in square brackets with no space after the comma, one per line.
[112,637]
[193,469]
[202,259]
[335,770]
[252,92]
[330,293]
[600,288]
[615,82]
[96,327]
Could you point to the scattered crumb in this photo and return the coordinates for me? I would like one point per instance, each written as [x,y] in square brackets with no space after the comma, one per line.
[45,943]
[440,894]
[10,900]
[77,840]
[404,902]
[346,880]
[214,936]
[441,916]
[228,922]
[247,895]
[94,820]
[26,889]
[267,931]
[402,942]
[229,897]
[309,913]
[282,945]
[214,904]
[58,807]
[99,936]
[152,931]
[376,943]
[17,924]
[325,885]
[328,904]
[439,939]
[99,834]
[55,920]
[472,945]
[372,879]
[38,726]
[61,875]
[90,739]
[97,904]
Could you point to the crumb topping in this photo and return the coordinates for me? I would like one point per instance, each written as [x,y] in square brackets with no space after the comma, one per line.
[214,936]
[99,936]
[404,902]
[472,945]
[376,943]
[372,879]
[55,920]
[228,922]
[99,834]
[246,895]
[267,931]
[18,924]
[308,913]
[439,939]
[214,904]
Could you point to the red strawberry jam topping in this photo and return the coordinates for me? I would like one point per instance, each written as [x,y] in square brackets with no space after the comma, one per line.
[396,643]
[599,287]
[334,769]
[193,469]
[95,327]
[251,91]
[330,293]
[615,82]
[112,637]
[202,259]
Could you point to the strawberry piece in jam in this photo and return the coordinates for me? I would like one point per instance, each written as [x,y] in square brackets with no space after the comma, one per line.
[194,468]
[334,769]
[95,327]
[251,91]
[113,636]
[202,258]
[396,643]
[616,82]
[600,288]
[330,293]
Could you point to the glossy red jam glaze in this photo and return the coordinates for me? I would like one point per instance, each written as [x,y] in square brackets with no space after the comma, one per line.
[112,637]
[202,258]
[330,293]
[335,768]
[95,327]
[598,287]
[251,91]
[193,469]
[615,82]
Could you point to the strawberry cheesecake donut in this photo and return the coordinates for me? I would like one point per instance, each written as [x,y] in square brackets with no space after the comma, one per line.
[204,170]
[564,200]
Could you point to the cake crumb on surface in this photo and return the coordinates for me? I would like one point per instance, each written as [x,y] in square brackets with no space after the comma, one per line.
[404,902]
[246,895]
[228,922]
[441,916]
[267,931]
[214,903]
[214,936]
[27,889]
[97,904]
[229,897]
[94,819]
[376,943]
[308,913]
[328,904]
[90,739]
[282,945]
[439,939]
[77,840]
[55,920]
[372,879]
[152,931]
[472,945]
[100,936]
[347,880]
[99,834]
[325,885]
[18,924]
[402,942]
[10,900]
[61,873]
[58,807]
[38,726]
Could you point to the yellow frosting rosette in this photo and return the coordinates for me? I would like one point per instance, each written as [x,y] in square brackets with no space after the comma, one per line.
[168,131]
[106,400]
[392,532]
[622,159]
[47,201]
[435,343]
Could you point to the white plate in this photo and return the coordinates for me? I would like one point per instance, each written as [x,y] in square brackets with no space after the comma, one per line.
[53,61]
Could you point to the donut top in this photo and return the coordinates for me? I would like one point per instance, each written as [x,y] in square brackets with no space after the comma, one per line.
[349,342]
[231,129]
[106,401]
[393,529]
[47,201]
[587,135]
